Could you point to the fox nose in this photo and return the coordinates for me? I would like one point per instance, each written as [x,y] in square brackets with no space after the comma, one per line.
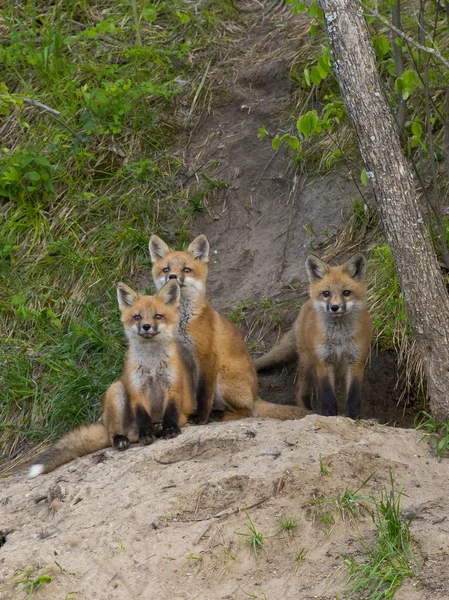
[173,276]
[146,327]
[335,307]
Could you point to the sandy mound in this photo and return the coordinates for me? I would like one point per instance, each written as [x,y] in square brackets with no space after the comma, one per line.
[160,522]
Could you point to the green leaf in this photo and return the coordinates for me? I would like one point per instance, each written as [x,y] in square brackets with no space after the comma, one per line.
[41,160]
[315,75]
[364,177]
[313,30]
[299,7]
[308,123]
[262,132]
[294,143]
[417,129]
[381,45]
[307,76]
[12,174]
[33,175]
[149,12]
[276,142]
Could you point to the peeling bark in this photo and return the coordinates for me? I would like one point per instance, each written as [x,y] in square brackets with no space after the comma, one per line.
[396,197]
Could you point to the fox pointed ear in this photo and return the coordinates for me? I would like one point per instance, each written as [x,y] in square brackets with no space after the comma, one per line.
[199,248]
[315,267]
[126,296]
[170,294]
[355,267]
[158,248]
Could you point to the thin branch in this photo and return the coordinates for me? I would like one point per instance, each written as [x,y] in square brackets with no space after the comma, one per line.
[37,104]
[55,114]
[399,64]
[433,199]
[433,51]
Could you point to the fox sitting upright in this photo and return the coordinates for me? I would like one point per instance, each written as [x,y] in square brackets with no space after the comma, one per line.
[331,336]
[223,373]
[154,386]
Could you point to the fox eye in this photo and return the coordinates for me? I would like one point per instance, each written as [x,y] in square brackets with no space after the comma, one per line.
[326,294]
[346,293]
[187,270]
[158,316]
[137,317]
[166,270]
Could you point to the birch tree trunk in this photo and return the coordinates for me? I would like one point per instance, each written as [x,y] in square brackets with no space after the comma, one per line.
[397,200]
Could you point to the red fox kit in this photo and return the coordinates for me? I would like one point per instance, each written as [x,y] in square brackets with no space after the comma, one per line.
[155,384]
[331,336]
[223,374]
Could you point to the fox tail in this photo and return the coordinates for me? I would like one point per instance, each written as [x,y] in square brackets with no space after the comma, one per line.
[284,352]
[81,441]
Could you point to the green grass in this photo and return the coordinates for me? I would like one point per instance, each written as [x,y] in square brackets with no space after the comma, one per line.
[254,538]
[437,433]
[83,188]
[288,524]
[30,580]
[389,557]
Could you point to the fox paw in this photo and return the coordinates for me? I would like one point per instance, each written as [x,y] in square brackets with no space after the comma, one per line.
[198,420]
[147,438]
[216,415]
[158,431]
[121,442]
[170,432]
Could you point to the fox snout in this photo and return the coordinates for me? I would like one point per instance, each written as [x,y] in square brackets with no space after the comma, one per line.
[337,308]
[179,279]
[147,330]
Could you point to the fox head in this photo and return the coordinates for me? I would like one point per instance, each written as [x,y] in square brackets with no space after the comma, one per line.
[147,318]
[340,290]
[188,268]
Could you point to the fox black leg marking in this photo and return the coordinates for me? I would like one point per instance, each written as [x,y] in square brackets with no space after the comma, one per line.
[328,399]
[201,413]
[145,427]
[353,400]
[170,426]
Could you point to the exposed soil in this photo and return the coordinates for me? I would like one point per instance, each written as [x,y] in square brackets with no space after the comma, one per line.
[161,522]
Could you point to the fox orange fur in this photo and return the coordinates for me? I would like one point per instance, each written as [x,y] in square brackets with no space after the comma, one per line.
[223,374]
[155,385]
[331,337]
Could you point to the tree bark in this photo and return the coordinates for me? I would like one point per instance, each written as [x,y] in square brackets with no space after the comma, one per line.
[396,196]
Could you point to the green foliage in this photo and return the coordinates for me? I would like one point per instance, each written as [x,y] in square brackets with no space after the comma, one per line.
[30,580]
[254,538]
[288,524]
[323,142]
[437,433]
[85,178]
[388,559]
[387,305]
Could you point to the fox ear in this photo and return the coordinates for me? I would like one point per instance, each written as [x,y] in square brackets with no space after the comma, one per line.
[355,267]
[170,294]
[126,296]
[315,267]
[199,248]
[158,248]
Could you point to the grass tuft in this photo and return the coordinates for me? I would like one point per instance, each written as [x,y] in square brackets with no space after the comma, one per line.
[389,557]
[437,433]
[254,538]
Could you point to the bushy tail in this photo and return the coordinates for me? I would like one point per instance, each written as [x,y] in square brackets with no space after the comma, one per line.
[281,354]
[278,411]
[79,442]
